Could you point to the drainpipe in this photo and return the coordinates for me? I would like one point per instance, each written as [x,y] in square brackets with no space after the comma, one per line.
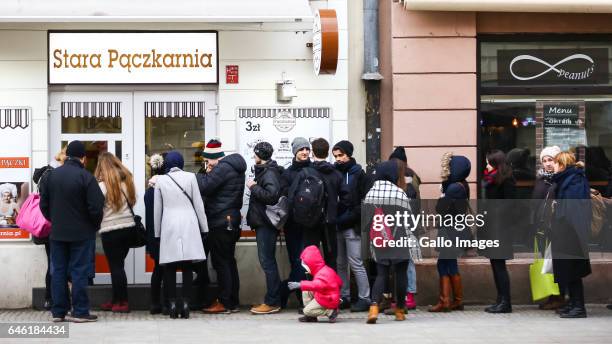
[371,77]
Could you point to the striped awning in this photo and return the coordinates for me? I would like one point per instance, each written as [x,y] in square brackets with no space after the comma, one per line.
[91,109]
[545,6]
[14,118]
[174,109]
[271,112]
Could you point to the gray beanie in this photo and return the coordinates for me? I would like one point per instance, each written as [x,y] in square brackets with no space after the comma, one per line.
[299,143]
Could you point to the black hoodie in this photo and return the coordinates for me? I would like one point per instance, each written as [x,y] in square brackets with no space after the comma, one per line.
[333,180]
[266,192]
[353,188]
[222,190]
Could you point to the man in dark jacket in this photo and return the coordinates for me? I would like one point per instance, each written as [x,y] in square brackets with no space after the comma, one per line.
[222,188]
[352,192]
[325,232]
[265,190]
[72,200]
[293,231]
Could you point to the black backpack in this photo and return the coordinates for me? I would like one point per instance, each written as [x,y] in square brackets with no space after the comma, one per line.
[307,198]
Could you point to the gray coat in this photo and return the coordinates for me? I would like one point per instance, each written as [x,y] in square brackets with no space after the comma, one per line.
[177,222]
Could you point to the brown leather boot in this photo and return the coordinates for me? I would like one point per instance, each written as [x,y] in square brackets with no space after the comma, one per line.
[443,304]
[457,304]
[373,314]
[400,314]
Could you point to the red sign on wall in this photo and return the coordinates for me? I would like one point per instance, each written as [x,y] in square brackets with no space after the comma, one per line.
[231,74]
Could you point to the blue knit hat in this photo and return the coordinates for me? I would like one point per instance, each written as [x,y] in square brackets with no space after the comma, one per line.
[173,159]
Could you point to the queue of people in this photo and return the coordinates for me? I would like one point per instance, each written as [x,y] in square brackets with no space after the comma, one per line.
[317,207]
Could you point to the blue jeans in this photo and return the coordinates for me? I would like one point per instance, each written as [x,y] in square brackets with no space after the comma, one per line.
[295,246]
[412,278]
[447,267]
[74,258]
[266,251]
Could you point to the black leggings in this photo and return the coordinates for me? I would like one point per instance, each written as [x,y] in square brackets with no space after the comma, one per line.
[501,278]
[116,248]
[400,275]
[576,292]
[157,277]
[170,270]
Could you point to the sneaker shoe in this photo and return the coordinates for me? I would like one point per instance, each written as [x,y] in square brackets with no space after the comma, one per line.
[107,306]
[47,305]
[345,303]
[235,310]
[121,307]
[307,319]
[360,306]
[265,309]
[333,316]
[216,308]
[58,319]
[410,301]
[82,318]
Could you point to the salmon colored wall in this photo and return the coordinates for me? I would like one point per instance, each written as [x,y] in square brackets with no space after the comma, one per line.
[488,22]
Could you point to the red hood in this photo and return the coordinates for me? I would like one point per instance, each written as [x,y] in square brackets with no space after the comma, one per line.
[313,259]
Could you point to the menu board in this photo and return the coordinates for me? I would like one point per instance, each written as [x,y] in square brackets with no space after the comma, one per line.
[563,125]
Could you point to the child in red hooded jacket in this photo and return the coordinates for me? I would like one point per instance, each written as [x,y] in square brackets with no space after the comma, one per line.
[321,295]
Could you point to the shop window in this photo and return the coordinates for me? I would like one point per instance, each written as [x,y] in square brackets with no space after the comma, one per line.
[91,117]
[175,126]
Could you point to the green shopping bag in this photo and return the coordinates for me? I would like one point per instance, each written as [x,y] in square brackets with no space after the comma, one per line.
[542,285]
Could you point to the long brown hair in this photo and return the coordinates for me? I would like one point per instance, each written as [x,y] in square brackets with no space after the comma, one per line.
[401,173]
[111,171]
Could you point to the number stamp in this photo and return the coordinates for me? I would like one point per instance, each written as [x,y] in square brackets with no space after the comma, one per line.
[34,330]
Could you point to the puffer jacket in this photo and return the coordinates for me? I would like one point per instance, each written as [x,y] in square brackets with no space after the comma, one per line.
[266,192]
[222,190]
[352,191]
[325,283]
[332,179]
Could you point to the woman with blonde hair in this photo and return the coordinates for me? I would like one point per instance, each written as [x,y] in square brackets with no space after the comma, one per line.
[117,185]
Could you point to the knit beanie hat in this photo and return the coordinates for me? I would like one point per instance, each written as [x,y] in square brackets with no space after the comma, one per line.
[386,170]
[298,144]
[173,159]
[345,146]
[552,152]
[263,150]
[213,150]
[399,153]
[75,149]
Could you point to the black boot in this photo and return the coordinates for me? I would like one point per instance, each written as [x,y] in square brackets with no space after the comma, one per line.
[155,309]
[494,306]
[609,307]
[185,309]
[575,312]
[172,310]
[504,306]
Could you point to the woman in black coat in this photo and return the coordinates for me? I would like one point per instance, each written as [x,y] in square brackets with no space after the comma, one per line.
[498,184]
[571,224]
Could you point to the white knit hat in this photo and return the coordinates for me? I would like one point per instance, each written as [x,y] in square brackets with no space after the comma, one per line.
[552,152]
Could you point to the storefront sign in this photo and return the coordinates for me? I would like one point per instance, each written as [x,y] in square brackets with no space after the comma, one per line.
[231,74]
[561,115]
[325,42]
[553,67]
[133,58]
[15,175]
[278,126]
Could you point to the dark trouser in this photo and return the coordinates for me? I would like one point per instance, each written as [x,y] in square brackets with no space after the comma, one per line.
[400,275]
[295,246]
[116,248]
[157,277]
[48,274]
[203,280]
[266,251]
[170,270]
[501,278]
[324,236]
[576,292]
[222,249]
[447,267]
[74,258]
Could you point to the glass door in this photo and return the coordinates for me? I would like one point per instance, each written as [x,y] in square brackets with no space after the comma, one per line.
[104,122]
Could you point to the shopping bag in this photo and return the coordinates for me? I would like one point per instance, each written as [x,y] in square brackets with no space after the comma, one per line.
[547,267]
[542,285]
[31,218]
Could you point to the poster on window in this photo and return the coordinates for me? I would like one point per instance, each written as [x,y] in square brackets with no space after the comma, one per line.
[278,126]
[564,125]
[15,176]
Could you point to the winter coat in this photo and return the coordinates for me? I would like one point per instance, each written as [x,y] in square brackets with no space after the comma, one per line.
[453,201]
[178,221]
[72,200]
[266,192]
[542,198]
[114,220]
[325,283]
[571,225]
[222,190]
[333,180]
[501,218]
[291,174]
[152,246]
[352,191]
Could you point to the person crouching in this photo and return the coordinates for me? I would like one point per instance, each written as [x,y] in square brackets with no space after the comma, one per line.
[321,295]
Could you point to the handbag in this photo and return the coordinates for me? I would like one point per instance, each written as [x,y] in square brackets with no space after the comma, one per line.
[139,234]
[279,212]
[542,284]
[31,218]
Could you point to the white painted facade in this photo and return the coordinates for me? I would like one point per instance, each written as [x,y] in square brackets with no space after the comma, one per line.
[262,50]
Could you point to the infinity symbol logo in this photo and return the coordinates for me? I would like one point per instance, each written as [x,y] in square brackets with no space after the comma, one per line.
[562,73]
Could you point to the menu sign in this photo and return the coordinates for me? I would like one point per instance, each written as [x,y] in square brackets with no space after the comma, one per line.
[563,125]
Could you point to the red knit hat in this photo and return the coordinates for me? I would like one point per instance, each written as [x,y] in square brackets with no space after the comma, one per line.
[213,150]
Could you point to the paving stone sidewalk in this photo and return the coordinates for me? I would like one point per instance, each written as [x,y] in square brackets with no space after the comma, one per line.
[526,325]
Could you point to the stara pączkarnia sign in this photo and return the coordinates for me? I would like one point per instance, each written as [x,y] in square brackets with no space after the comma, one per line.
[133,58]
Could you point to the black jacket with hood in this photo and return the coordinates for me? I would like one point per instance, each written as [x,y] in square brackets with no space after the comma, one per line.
[222,190]
[266,192]
[352,191]
[333,180]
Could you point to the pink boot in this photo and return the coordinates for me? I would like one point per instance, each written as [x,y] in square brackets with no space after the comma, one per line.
[410,302]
